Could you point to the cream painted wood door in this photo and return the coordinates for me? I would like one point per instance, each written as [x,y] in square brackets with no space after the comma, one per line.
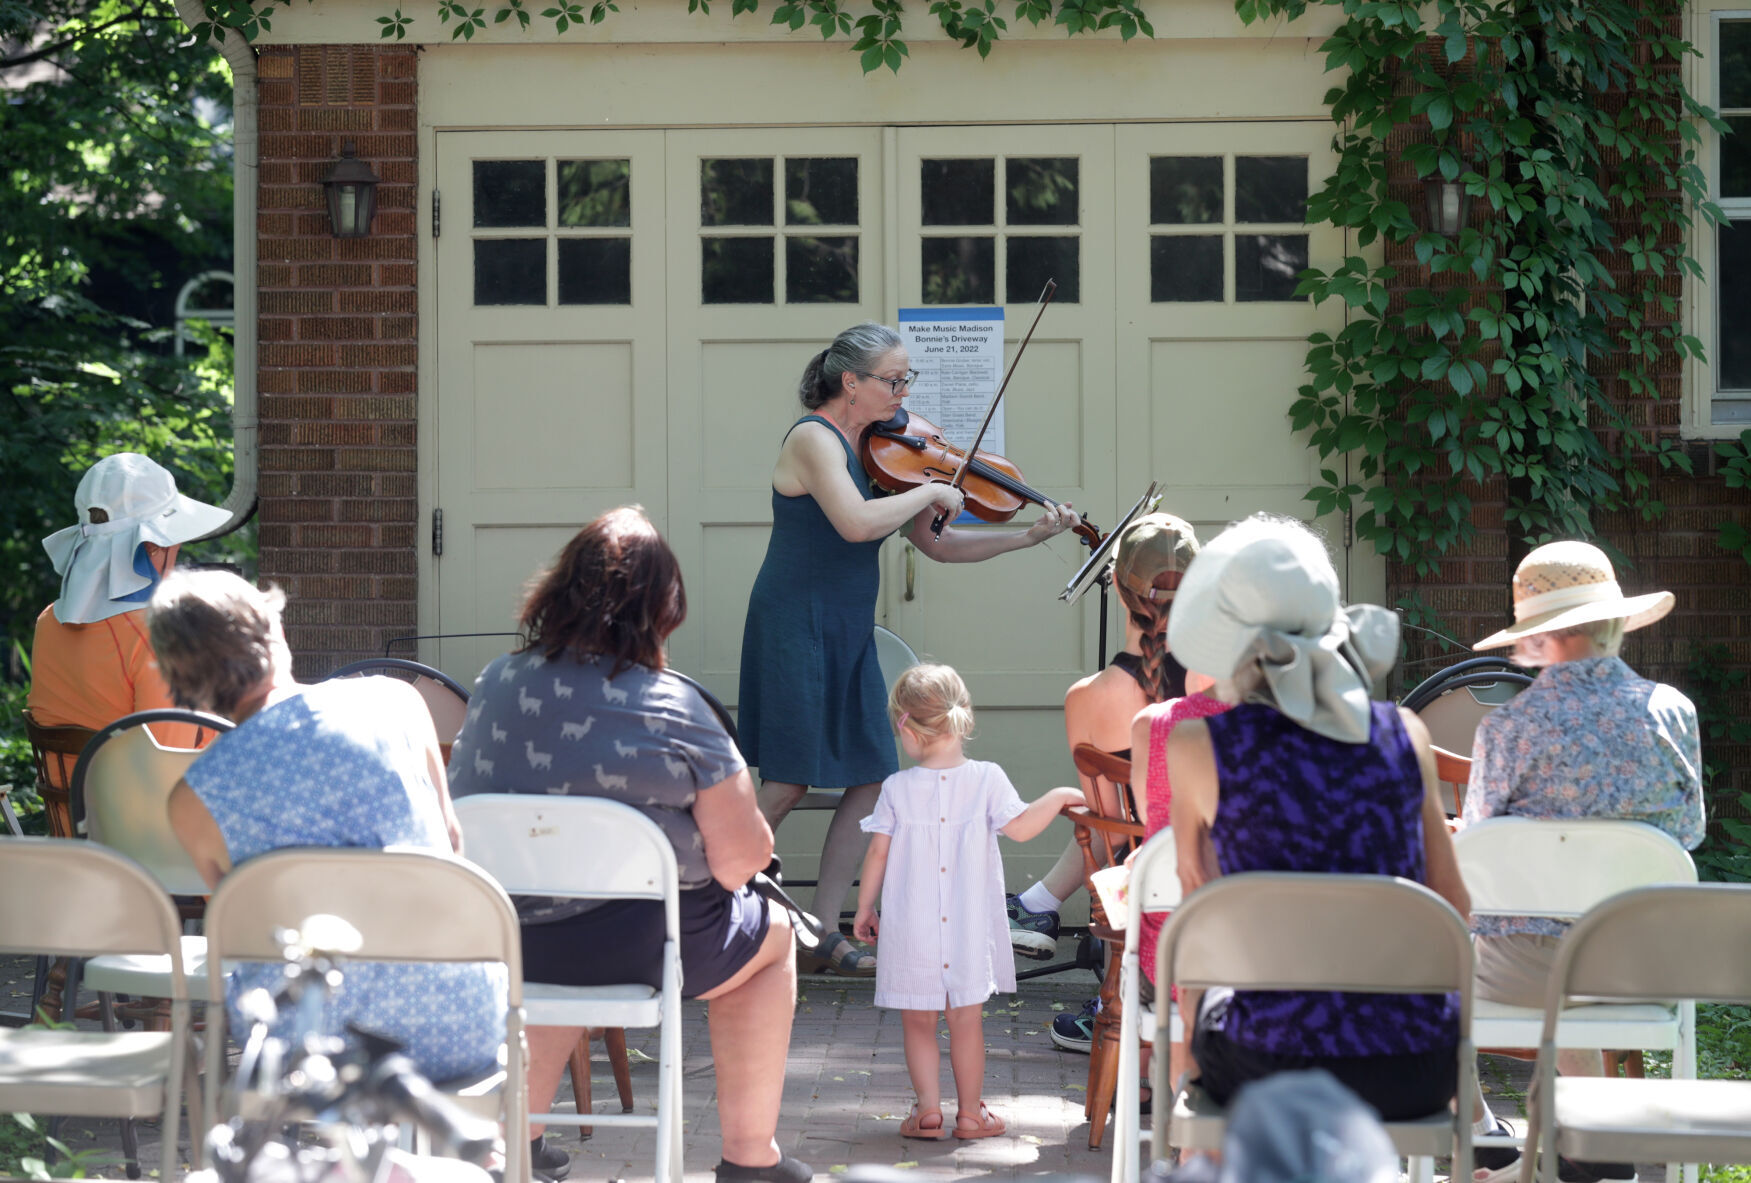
[1210,225]
[985,216]
[550,365]
[775,245]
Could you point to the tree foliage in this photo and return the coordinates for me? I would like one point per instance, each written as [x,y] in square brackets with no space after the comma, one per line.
[118,190]
[877,36]
[1568,123]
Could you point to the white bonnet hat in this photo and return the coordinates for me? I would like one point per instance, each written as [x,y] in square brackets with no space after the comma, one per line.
[1264,593]
[103,570]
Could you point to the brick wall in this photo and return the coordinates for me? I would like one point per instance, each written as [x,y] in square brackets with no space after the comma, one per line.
[338,360]
[1675,552]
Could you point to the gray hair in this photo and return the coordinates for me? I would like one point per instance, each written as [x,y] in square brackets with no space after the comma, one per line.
[1535,651]
[213,635]
[855,351]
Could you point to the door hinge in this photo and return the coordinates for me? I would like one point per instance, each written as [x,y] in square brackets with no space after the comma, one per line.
[436,209]
[437,532]
[1349,528]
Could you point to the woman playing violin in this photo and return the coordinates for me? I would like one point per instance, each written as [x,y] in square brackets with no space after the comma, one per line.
[813,707]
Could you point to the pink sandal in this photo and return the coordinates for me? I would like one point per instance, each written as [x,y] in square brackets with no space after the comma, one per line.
[914,1127]
[990,1125]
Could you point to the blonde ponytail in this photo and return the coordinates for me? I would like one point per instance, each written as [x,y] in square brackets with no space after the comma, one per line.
[932,700]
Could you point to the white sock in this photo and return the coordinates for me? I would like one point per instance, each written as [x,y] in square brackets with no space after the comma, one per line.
[1485,1124]
[1038,899]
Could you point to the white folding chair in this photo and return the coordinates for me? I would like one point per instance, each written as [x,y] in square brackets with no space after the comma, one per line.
[1269,930]
[1559,869]
[1154,887]
[77,899]
[444,696]
[120,788]
[1650,944]
[587,848]
[894,656]
[408,905]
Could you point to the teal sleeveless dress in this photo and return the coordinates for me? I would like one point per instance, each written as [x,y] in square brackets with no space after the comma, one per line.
[812,708]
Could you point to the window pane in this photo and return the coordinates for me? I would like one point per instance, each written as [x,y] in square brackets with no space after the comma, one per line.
[1029,262]
[1270,189]
[1266,265]
[510,271]
[1733,327]
[510,193]
[958,192]
[595,193]
[735,192]
[1042,192]
[959,270]
[1735,170]
[1736,63]
[1185,268]
[820,270]
[736,270]
[1185,190]
[595,271]
[821,192]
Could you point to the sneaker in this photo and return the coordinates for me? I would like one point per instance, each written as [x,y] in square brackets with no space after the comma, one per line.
[1075,1032]
[548,1162]
[1032,934]
[1495,1158]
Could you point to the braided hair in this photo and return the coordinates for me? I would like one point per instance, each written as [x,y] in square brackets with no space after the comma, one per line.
[1150,617]
[855,351]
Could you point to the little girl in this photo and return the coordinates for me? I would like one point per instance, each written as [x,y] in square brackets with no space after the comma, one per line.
[943,929]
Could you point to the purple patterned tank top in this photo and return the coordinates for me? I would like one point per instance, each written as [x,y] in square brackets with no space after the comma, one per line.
[1293,800]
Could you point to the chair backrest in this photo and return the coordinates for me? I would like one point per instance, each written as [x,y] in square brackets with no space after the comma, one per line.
[1279,930]
[1460,703]
[444,696]
[78,899]
[408,905]
[1429,687]
[572,847]
[120,788]
[1658,943]
[1454,771]
[55,751]
[1561,867]
[1111,776]
[1155,885]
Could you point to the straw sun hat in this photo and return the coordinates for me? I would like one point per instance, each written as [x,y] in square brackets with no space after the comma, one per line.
[103,568]
[1564,584]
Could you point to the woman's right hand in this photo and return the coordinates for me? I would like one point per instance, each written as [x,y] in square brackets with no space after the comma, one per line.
[947,499]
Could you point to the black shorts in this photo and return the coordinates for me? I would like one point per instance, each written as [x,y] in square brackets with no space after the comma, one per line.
[622,942]
[1400,1087]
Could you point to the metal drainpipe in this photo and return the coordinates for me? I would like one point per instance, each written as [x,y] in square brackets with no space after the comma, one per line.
[245,419]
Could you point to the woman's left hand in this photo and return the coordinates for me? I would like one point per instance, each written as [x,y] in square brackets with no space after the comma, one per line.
[1056,520]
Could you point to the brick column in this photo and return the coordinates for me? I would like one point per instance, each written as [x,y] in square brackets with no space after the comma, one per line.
[338,360]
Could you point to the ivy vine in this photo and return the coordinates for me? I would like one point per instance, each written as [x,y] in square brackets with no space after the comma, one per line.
[1568,124]
[877,36]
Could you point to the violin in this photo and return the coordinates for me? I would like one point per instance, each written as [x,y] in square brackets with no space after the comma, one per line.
[909,450]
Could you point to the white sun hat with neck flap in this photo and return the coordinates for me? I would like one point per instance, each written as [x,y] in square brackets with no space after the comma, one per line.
[1564,584]
[103,565]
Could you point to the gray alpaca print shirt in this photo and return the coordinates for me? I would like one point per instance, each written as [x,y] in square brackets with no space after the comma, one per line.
[564,727]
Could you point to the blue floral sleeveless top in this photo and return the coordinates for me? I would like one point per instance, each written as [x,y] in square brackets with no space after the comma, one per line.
[1293,800]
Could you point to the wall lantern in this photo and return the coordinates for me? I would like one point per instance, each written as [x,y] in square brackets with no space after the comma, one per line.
[1449,204]
[352,195]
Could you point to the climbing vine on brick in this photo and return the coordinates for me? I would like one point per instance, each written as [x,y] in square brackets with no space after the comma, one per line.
[876,35]
[1527,346]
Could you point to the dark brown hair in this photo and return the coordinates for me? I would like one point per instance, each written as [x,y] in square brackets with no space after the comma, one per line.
[614,591]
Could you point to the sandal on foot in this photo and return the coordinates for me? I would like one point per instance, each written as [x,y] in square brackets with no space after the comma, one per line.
[914,1127]
[838,955]
[785,1170]
[990,1125]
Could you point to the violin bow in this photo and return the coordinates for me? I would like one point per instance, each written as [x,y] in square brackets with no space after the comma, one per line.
[960,476]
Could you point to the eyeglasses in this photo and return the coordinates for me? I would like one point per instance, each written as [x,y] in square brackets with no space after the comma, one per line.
[893,384]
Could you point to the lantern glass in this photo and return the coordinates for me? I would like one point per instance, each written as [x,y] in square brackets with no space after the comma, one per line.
[352,196]
[1449,206]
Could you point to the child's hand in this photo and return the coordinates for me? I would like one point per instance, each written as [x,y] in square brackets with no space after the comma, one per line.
[1070,796]
[866,926]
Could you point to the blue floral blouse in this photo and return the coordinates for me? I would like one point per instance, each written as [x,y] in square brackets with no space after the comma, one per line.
[1588,738]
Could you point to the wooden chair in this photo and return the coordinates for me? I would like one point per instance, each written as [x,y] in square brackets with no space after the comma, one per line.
[1107,829]
[55,751]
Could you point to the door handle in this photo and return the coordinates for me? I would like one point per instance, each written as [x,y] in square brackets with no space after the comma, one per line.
[911,570]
